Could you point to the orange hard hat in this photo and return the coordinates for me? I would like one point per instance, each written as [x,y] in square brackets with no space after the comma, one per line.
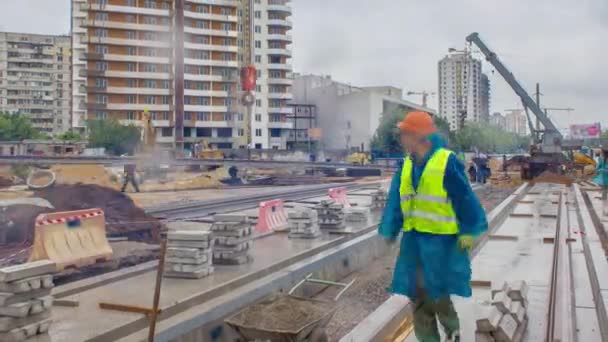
[417,123]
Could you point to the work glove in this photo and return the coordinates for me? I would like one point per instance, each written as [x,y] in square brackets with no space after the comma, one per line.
[465,242]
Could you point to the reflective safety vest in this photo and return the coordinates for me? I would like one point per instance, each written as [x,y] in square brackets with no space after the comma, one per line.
[428,208]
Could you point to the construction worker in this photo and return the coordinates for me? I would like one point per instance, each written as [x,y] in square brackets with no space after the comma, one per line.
[129,176]
[602,179]
[432,204]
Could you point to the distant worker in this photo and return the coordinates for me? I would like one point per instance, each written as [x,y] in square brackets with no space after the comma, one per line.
[602,179]
[129,176]
[431,202]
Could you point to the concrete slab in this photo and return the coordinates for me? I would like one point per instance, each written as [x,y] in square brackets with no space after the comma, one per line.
[27,270]
[587,327]
[583,296]
[88,321]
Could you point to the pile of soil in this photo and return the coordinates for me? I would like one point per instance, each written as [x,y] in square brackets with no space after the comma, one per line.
[85,174]
[285,314]
[123,217]
[550,177]
[5,182]
[17,223]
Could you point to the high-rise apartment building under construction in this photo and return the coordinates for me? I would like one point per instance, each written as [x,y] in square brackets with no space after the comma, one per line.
[178,62]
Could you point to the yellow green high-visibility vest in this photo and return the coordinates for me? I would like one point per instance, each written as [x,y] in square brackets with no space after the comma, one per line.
[428,208]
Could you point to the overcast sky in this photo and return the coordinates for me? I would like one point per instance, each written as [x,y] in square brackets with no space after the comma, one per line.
[563,44]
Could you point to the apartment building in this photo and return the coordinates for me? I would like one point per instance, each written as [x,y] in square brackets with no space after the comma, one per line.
[516,122]
[35,79]
[460,87]
[128,66]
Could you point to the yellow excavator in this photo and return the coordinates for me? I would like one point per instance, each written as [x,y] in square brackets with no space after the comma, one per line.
[202,150]
[358,158]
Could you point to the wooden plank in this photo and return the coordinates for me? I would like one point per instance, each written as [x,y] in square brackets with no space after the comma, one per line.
[125,308]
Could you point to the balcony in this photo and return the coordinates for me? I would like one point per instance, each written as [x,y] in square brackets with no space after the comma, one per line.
[91,89]
[280,96]
[208,93]
[90,73]
[96,106]
[124,25]
[280,37]
[231,3]
[280,81]
[214,124]
[138,74]
[210,16]
[280,22]
[210,32]
[128,42]
[138,91]
[282,125]
[205,108]
[162,123]
[280,8]
[211,62]
[222,48]
[92,56]
[280,110]
[279,66]
[124,9]
[197,77]
[139,107]
[280,52]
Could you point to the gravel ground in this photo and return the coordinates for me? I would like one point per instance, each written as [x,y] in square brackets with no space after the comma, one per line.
[370,288]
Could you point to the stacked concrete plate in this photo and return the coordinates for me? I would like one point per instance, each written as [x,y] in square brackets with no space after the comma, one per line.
[506,319]
[303,223]
[331,216]
[358,216]
[26,301]
[379,198]
[189,254]
[232,234]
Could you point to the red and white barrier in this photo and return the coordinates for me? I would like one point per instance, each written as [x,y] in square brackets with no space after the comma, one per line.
[272,216]
[339,195]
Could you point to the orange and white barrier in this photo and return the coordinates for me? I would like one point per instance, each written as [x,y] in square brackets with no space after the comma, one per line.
[339,195]
[71,238]
[272,216]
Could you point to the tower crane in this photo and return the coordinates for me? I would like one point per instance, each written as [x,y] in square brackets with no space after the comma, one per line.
[546,150]
[425,94]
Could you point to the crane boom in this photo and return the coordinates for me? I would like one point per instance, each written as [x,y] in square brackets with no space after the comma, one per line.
[517,88]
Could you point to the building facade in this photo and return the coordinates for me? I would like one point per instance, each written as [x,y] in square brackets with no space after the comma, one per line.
[348,116]
[516,122]
[128,66]
[498,120]
[305,131]
[460,87]
[35,79]
[484,98]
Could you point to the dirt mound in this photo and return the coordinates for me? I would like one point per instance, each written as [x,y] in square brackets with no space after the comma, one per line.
[550,177]
[17,223]
[123,217]
[5,182]
[85,174]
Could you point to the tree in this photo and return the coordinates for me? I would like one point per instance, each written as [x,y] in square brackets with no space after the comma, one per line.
[489,139]
[605,134]
[116,138]
[17,127]
[69,136]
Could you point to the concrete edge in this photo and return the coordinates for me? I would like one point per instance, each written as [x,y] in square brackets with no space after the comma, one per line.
[386,318]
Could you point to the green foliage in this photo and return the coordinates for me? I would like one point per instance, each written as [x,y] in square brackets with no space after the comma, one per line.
[489,139]
[484,137]
[116,138]
[69,136]
[17,127]
[605,134]
[21,170]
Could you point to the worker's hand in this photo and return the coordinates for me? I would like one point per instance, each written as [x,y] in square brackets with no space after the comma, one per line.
[390,242]
[465,242]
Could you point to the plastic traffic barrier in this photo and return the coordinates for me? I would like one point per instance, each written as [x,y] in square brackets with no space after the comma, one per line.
[272,216]
[339,195]
[71,238]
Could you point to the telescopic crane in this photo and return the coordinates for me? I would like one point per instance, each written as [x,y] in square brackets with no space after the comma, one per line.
[546,151]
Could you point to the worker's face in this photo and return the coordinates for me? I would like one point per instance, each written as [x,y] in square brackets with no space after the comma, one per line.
[411,142]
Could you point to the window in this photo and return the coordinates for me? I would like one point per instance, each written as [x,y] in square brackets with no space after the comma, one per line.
[149,83]
[259,74]
[131,51]
[226,26]
[258,117]
[149,67]
[150,20]
[150,4]
[102,99]
[130,115]
[258,29]
[258,132]
[165,4]
[150,99]
[101,49]
[165,84]
[162,116]
[166,132]
[240,117]
[228,117]
[130,3]
[258,44]
[150,36]
[131,99]
[188,117]
[203,116]
[100,16]
[101,32]
[131,17]
[241,132]
[101,115]
[227,41]
[166,100]
[131,35]
[203,24]
[226,11]
[275,132]
[226,87]
[258,14]
[101,83]
[240,28]
[258,88]
[258,59]
[131,83]
[101,66]
[240,12]
[131,67]
[224,132]
[275,118]
[100,3]
[258,103]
